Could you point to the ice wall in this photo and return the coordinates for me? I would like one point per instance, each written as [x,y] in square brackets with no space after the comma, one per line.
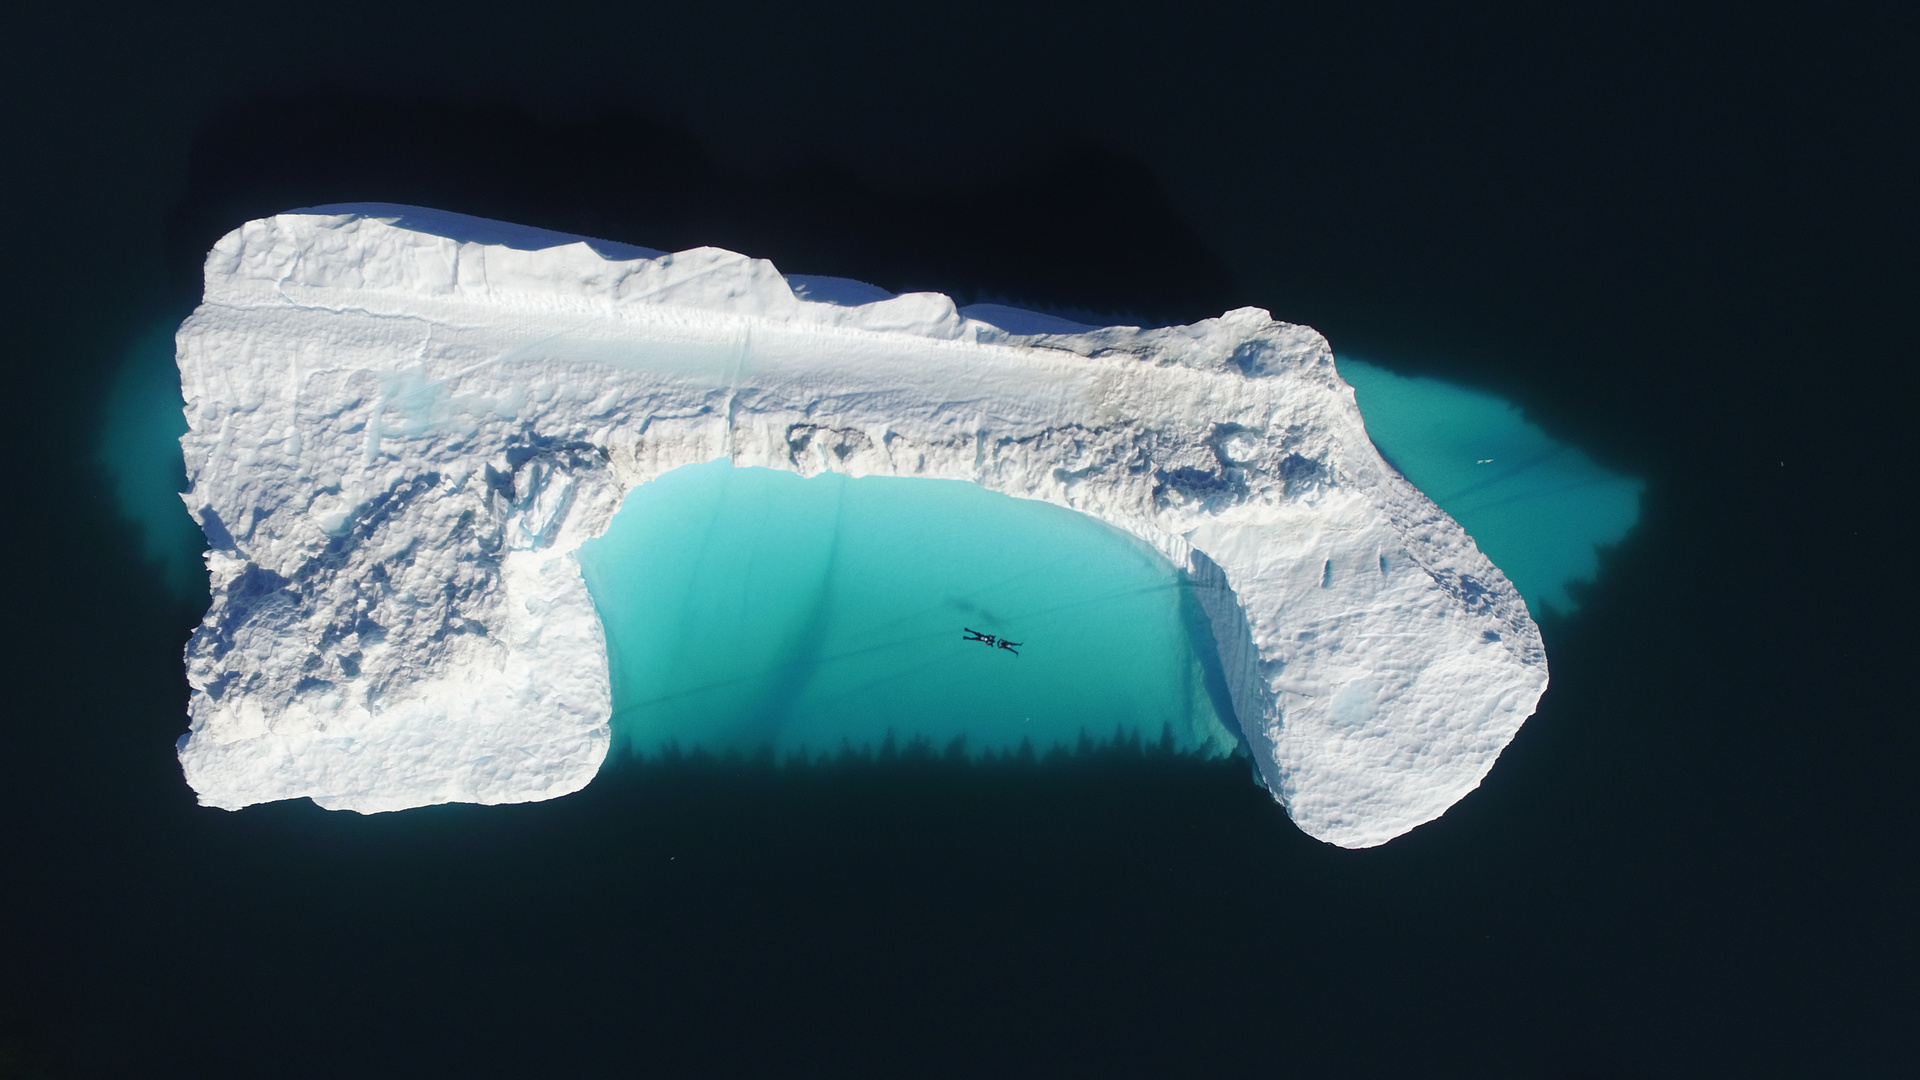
[399,438]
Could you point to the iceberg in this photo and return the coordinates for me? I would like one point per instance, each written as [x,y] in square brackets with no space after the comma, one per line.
[403,424]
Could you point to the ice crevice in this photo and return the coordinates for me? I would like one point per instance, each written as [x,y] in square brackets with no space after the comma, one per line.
[398,614]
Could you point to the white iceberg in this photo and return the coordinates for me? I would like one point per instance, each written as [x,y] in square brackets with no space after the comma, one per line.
[404,422]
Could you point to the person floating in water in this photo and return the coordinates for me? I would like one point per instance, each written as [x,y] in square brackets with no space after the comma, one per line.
[992,642]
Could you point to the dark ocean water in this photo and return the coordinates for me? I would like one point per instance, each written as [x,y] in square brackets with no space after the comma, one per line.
[1674,240]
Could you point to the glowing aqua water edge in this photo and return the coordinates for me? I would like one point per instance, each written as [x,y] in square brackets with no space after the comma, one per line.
[748,609]
[1539,508]
[140,451]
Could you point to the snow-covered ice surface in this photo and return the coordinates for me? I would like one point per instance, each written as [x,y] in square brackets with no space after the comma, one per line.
[404,422]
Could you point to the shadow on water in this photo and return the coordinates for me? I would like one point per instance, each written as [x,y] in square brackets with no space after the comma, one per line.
[1063,235]
[1124,747]
[798,655]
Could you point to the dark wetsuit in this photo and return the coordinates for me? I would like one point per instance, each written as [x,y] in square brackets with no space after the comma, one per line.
[989,640]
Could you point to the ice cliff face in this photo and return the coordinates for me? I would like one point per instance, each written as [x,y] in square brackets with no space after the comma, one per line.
[404,423]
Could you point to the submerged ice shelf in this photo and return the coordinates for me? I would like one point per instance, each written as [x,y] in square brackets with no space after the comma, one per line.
[1540,508]
[404,425]
[750,609]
